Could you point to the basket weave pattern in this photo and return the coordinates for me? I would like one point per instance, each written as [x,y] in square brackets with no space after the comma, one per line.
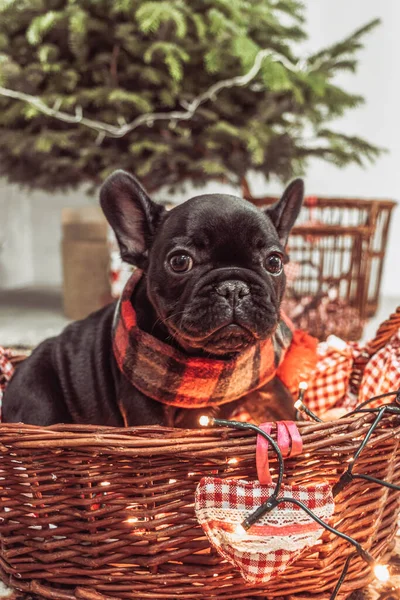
[97,513]
[138,537]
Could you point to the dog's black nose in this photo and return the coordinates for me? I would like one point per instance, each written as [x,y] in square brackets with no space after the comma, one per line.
[232,290]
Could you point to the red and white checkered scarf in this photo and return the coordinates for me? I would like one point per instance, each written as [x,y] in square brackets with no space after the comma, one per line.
[172,377]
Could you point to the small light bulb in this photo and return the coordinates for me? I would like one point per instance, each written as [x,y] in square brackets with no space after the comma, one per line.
[204,421]
[239,530]
[303,385]
[381,572]
[132,520]
[105,483]
[233,461]
[172,481]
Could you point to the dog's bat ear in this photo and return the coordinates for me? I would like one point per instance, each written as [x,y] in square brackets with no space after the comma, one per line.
[284,213]
[133,216]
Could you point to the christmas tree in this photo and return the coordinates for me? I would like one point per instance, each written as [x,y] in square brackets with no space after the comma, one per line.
[83,83]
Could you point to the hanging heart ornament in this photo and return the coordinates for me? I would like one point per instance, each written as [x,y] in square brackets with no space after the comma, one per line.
[273,542]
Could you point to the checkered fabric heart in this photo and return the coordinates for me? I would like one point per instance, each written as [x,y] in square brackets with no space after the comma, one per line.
[6,371]
[276,540]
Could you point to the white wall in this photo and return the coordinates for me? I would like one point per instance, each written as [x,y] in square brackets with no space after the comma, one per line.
[36,217]
[378,80]
[46,227]
[30,235]
[378,120]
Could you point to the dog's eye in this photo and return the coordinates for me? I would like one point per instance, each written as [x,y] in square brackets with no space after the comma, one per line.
[273,264]
[180,263]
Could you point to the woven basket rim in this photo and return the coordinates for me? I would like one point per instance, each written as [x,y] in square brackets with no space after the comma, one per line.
[102,434]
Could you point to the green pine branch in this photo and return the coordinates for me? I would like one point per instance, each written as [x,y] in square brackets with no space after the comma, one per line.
[348,45]
[114,62]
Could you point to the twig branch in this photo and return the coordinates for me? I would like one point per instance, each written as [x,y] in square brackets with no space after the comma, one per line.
[114,64]
[115,131]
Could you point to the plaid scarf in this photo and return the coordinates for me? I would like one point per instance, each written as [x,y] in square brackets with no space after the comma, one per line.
[168,375]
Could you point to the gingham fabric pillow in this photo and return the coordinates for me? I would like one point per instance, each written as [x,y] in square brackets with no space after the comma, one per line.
[262,552]
[382,373]
[328,385]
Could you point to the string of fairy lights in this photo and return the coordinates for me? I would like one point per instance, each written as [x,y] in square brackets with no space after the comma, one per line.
[381,571]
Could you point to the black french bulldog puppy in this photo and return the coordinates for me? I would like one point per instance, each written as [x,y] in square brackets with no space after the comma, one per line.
[212,286]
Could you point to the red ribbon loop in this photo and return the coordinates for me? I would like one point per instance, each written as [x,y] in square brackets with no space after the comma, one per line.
[262,462]
[295,438]
[289,442]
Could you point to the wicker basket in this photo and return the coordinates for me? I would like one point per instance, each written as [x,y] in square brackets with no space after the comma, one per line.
[100,513]
[338,242]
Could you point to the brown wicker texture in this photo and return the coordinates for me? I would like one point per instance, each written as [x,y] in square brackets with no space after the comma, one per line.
[97,513]
[338,243]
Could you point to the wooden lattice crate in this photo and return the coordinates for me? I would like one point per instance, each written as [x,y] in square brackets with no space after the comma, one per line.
[338,246]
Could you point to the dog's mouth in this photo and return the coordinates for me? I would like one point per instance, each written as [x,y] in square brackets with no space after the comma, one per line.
[228,339]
